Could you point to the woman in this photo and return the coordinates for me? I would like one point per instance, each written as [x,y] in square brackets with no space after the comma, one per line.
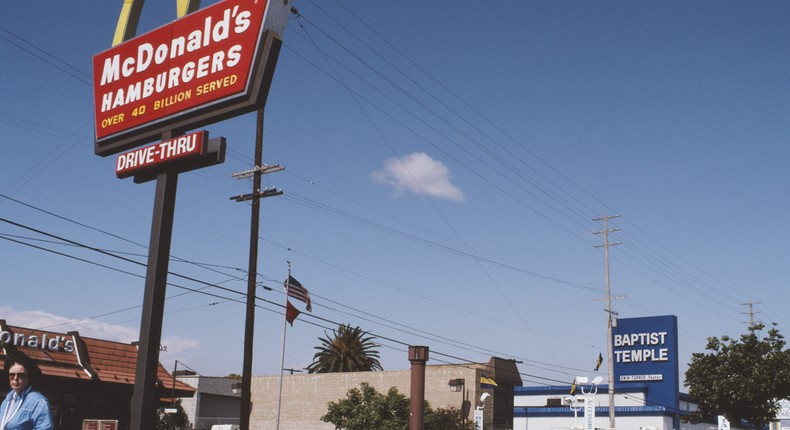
[23,408]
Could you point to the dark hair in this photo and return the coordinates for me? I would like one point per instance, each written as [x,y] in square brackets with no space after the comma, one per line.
[18,357]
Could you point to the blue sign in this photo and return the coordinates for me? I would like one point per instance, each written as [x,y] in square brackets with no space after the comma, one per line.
[646,351]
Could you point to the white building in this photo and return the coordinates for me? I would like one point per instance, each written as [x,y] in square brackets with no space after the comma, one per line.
[554,408]
[215,400]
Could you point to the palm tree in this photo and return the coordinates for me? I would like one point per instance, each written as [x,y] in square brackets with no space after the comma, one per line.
[348,351]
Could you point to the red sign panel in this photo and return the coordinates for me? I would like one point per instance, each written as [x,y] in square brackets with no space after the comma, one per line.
[206,59]
[167,151]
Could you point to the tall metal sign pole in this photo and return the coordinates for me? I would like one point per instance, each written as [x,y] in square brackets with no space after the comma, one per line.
[161,84]
[167,159]
[144,400]
[610,354]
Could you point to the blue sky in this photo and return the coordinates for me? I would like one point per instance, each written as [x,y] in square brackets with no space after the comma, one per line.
[444,164]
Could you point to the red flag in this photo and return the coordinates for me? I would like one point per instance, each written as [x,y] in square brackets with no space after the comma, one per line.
[290,312]
[297,291]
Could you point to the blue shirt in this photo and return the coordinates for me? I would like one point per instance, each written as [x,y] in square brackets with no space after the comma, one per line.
[32,414]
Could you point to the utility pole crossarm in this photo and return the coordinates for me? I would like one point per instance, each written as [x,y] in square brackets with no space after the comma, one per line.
[257,195]
[254,173]
[262,169]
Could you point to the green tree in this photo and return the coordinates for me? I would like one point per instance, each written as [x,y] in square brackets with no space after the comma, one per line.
[350,350]
[742,379]
[364,408]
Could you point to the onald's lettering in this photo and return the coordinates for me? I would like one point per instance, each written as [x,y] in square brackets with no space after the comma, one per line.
[57,343]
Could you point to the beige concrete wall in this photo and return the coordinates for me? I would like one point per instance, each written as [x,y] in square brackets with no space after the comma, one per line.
[305,397]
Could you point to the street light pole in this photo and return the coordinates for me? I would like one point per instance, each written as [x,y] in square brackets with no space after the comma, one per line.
[589,400]
[573,404]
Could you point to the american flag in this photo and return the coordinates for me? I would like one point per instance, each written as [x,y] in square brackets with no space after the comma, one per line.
[295,289]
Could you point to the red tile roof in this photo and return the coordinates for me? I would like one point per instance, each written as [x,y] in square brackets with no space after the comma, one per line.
[100,360]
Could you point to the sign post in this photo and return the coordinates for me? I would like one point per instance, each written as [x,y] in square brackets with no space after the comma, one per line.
[479,418]
[724,423]
[145,396]
[213,64]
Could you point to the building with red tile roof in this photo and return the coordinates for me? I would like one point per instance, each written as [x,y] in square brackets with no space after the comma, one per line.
[85,378]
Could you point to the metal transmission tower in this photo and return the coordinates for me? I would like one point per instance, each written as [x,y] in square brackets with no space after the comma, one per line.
[609,352]
[751,313]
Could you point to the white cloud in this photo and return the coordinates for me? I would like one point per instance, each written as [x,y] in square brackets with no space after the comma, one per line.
[178,344]
[51,322]
[184,350]
[178,347]
[418,173]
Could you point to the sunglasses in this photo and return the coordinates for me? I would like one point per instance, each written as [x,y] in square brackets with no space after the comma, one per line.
[17,375]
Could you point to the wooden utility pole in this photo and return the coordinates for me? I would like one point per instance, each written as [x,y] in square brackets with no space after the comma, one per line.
[252,279]
[252,270]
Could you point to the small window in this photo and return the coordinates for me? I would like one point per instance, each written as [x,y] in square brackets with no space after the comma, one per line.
[554,401]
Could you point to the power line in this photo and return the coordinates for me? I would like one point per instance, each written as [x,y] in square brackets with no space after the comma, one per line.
[367,64]
[46,57]
[661,269]
[188,289]
[65,67]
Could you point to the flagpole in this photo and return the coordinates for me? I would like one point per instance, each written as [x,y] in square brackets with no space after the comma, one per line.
[282,354]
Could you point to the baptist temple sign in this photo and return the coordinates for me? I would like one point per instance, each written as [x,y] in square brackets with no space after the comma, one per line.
[646,352]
